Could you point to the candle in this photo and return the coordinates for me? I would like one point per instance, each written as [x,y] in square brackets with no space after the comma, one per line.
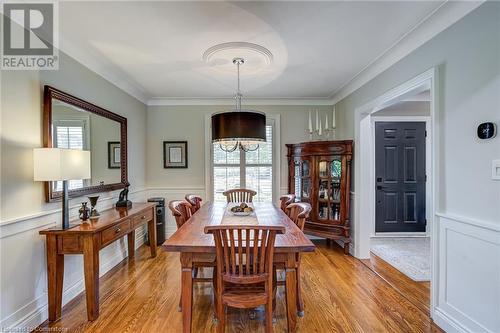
[326,122]
[333,118]
[310,128]
[317,120]
[319,130]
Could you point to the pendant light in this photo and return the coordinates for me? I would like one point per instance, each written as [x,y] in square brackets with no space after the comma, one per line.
[239,128]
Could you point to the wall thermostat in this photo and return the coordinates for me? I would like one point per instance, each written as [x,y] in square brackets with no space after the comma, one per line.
[486,131]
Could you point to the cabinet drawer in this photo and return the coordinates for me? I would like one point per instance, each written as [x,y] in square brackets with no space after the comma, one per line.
[110,234]
[143,217]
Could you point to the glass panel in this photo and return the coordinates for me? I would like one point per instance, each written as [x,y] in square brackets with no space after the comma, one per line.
[323,210]
[323,172]
[305,168]
[306,188]
[260,179]
[221,157]
[335,211]
[225,178]
[336,169]
[264,154]
[323,190]
[298,180]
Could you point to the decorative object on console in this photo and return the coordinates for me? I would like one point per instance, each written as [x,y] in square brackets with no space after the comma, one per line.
[243,129]
[319,173]
[57,164]
[123,198]
[94,214]
[486,131]
[84,212]
[114,153]
[175,154]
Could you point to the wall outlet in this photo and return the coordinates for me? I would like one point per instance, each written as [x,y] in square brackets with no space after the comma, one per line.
[495,170]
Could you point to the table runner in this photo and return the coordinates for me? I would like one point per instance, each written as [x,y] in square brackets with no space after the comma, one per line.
[229,219]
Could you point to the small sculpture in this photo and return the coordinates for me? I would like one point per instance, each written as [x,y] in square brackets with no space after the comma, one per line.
[123,198]
[93,211]
[84,211]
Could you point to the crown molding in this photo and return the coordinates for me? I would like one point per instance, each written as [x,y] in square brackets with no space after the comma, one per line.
[440,19]
[247,101]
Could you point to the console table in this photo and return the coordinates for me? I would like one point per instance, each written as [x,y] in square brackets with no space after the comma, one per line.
[87,239]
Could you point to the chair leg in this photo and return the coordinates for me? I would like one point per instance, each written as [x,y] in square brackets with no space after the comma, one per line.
[300,301]
[180,304]
[221,315]
[269,316]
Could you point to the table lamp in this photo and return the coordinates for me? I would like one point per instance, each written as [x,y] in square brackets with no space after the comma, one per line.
[57,164]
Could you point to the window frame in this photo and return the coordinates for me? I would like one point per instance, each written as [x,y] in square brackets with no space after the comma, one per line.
[271,119]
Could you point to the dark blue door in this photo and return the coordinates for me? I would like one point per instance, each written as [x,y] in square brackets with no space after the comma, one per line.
[400,176]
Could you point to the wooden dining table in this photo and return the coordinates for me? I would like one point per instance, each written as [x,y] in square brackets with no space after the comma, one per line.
[196,246]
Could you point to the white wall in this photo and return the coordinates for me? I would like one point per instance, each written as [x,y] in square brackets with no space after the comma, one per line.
[23,209]
[467,56]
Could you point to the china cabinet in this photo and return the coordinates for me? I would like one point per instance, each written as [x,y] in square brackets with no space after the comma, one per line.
[320,173]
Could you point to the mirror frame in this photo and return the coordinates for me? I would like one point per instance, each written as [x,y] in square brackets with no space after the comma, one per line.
[50,93]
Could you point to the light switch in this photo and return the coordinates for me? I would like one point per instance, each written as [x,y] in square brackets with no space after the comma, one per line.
[495,170]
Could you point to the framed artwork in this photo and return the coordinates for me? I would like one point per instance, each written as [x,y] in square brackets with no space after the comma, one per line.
[175,154]
[114,155]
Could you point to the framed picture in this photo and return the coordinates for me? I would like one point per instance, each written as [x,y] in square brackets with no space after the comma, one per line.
[114,155]
[175,154]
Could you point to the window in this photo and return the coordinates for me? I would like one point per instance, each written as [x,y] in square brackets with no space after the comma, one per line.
[69,134]
[251,170]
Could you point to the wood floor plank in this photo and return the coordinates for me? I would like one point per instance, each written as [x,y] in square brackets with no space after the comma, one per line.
[341,294]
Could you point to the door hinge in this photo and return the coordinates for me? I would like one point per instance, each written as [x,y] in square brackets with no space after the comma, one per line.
[426,133]
[425,177]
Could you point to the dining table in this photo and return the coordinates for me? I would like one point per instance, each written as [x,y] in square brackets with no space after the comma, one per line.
[194,245]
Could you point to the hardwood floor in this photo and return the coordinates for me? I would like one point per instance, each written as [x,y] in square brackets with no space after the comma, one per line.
[417,293]
[341,294]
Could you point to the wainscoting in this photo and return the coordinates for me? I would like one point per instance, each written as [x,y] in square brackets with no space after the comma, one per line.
[23,274]
[469,275]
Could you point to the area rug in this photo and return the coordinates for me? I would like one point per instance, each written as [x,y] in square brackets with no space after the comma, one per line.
[411,256]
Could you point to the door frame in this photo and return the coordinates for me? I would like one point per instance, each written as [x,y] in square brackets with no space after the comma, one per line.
[428,171]
[362,171]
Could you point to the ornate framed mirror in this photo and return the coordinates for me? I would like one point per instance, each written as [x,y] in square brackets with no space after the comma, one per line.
[70,122]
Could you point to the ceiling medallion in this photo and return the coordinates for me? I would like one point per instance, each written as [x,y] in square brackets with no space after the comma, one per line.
[253,53]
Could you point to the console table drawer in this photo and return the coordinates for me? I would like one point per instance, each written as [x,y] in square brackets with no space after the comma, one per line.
[115,232]
[146,216]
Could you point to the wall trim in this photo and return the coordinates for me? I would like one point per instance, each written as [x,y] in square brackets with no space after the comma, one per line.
[470,221]
[168,101]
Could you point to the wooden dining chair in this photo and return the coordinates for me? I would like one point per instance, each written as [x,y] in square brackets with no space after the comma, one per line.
[181,210]
[298,212]
[195,202]
[244,277]
[285,200]
[239,195]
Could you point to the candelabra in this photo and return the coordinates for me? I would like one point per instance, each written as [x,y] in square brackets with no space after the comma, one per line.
[318,133]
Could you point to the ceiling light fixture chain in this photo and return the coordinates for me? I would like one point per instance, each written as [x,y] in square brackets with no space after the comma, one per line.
[238,95]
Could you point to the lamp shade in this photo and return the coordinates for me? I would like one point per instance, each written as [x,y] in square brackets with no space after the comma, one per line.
[245,126]
[51,164]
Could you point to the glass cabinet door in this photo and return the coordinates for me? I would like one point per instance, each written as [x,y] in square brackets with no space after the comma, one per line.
[323,189]
[297,179]
[304,185]
[335,179]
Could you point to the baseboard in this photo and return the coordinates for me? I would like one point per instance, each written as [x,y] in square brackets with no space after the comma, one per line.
[447,323]
[34,318]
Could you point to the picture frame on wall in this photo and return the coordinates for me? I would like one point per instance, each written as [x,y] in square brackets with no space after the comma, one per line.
[175,154]
[114,155]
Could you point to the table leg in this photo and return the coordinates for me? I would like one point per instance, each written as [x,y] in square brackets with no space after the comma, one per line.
[131,244]
[55,274]
[152,235]
[187,291]
[91,272]
[291,290]
[300,301]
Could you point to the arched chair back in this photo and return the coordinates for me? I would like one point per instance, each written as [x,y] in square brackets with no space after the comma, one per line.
[195,202]
[285,200]
[239,195]
[298,213]
[181,210]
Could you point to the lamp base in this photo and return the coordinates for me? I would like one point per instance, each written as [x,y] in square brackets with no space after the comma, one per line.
[65,206]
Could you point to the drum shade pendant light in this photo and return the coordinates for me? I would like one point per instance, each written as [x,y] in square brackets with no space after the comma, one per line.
[243,129]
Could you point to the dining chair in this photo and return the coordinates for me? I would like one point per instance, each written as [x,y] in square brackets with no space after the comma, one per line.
[244,278]
[298,212]
[181,210]
[239,195]
[195,202]
[285,200]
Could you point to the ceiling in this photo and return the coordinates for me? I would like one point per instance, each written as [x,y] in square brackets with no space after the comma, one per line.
[156,48]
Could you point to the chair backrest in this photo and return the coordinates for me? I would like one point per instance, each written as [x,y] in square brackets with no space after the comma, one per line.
[195,202]
[181,210]
[285,200]
[239,195]
[244,254]
[298,213]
